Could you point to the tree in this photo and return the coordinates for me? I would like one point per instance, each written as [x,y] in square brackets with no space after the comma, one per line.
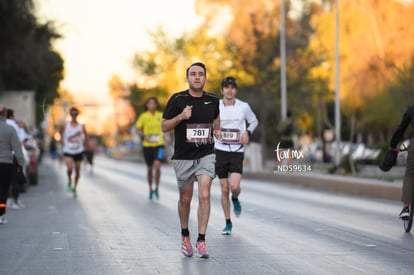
[140,95]
[123,112]
[27,60]
[164,68]
[247,48]
[252,31]
[370,51]
[384,111]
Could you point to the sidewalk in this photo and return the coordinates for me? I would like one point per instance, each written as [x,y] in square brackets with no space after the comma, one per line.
[374,188]
[370,181]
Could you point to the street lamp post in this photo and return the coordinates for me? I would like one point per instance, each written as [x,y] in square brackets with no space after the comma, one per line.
[283,103]
[337,90]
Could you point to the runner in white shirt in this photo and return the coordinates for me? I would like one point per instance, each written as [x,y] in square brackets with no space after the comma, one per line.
[237,123]
[73,138]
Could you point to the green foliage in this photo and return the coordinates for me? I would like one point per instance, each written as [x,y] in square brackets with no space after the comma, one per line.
[248,49]
[384,111]
[139,95]
[375,86]
[27,61]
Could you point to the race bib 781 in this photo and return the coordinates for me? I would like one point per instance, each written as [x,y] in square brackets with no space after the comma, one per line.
[199,132]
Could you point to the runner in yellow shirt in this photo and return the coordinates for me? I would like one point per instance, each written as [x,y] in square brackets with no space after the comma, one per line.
[148,127]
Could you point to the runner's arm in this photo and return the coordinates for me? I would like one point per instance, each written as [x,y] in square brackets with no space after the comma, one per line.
[216,128]
[169,124]
[140,132]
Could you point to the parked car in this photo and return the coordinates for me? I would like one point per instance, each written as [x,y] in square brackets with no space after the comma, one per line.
[313,151]
[358,151]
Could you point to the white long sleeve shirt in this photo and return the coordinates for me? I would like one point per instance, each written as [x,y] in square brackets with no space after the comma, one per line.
[234,121]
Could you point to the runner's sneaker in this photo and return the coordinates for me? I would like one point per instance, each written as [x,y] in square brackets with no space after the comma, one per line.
[151,193]
[186,247]
[15,205]
[157,195]
[202,249]
[237,207]
[405,213]
[227,229]
[3,220]
[69,187]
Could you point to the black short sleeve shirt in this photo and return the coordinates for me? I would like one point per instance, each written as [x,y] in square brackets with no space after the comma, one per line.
[193,137]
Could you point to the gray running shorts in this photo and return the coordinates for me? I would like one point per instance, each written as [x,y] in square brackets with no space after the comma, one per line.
[186,171]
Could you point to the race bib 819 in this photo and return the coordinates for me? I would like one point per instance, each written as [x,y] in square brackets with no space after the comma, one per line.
[230,135]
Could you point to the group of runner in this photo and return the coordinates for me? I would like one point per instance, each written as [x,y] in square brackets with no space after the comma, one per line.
[209,138]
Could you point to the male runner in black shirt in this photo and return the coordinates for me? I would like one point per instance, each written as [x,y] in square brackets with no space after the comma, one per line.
[193,114]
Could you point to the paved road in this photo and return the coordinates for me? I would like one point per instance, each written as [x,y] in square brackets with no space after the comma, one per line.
[112,228]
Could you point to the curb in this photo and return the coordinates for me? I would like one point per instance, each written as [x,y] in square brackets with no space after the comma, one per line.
[390,190]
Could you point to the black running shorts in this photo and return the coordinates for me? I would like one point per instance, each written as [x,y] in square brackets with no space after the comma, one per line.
[228,162]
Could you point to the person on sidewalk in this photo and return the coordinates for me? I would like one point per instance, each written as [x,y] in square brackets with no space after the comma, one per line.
[9,143]
[286,130]
[73,138]
[53,149]
[234,115]
[148,127]
[16,188]
[193,114]
[408,181]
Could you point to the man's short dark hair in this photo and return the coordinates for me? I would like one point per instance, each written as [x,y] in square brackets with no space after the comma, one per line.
[73,111]
[200,64]
[9,113]
[229,81]
[149,99]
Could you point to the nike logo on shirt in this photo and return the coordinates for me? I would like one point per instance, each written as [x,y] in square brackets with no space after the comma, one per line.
[207,102]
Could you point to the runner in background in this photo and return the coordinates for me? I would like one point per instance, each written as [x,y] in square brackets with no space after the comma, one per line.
[73,138]
[148,127]
[235,114]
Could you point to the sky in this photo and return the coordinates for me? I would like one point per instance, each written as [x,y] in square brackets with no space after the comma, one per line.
[100,37]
